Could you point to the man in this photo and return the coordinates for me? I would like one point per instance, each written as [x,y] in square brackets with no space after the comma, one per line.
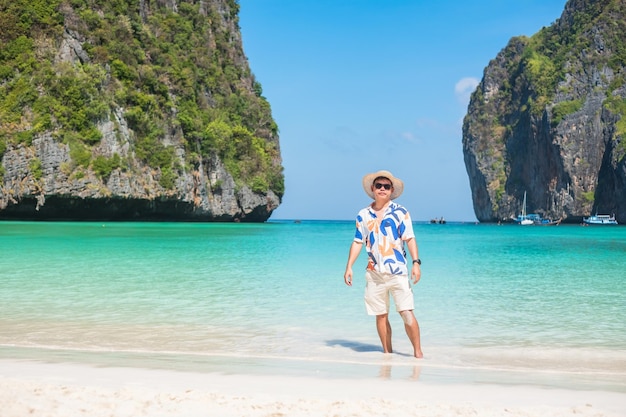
[384,227]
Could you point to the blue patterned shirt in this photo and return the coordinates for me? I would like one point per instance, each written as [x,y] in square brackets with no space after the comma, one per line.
[384,238]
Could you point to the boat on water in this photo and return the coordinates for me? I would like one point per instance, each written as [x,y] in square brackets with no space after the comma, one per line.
[525,219]
[547,222]
[602,219]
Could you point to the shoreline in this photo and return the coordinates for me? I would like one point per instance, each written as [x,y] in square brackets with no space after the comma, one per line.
[371,365]
[61,389]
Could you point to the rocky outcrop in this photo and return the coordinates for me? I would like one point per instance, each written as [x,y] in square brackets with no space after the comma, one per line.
[202,194]
[549,119]
[146,154]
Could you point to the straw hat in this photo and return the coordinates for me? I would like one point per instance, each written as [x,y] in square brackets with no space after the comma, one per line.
[368,181]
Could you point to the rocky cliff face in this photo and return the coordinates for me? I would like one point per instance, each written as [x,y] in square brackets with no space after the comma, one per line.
[549,119]
[145,110]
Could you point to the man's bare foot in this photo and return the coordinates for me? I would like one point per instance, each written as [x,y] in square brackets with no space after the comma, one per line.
[418,354]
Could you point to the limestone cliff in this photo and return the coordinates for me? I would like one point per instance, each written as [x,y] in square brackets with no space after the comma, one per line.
[132,110]
[549,119]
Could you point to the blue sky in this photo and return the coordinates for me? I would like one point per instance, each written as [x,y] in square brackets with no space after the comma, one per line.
[358,86]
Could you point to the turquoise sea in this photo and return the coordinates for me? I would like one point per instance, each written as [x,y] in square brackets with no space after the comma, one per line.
[505,304]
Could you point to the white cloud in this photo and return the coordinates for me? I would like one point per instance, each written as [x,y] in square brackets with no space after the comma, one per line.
[409,137]
[464,88]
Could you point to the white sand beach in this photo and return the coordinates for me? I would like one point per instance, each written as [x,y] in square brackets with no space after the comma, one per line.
[45,389]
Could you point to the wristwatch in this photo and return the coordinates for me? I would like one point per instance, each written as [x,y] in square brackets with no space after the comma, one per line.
[417,261]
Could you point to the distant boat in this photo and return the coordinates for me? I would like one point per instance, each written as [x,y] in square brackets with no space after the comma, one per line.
[526,219]
[603,219]
[534,218]
[547,222]
[438,221]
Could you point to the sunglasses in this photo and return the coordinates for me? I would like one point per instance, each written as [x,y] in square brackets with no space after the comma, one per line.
[385,186]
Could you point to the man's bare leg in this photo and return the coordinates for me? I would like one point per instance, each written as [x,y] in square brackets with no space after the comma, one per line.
[413,331]
[384,332]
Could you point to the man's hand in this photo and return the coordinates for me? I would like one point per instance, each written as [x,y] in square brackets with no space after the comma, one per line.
[416,273]
[347,277]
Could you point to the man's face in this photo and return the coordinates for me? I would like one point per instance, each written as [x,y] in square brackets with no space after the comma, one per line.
[382,187]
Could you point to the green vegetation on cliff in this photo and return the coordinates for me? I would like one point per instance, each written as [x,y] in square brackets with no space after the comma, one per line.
[170,70]
[547,57]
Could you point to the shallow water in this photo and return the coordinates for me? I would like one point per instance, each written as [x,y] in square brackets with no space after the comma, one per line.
[512,304]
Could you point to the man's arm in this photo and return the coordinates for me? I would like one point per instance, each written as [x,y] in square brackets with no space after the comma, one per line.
[416,270]
[355,249]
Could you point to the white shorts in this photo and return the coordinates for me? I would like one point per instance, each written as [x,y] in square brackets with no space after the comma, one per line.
[380,285]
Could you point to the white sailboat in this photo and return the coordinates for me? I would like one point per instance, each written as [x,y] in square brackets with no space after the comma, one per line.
[523,218]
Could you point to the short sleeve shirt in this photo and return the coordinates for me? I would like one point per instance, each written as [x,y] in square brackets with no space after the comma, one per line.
[384,238]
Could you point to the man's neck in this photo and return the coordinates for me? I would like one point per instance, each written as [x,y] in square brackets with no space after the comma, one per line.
[380,205]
